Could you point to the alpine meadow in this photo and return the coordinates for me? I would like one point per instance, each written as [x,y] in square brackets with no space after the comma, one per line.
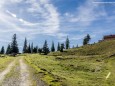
[57,43]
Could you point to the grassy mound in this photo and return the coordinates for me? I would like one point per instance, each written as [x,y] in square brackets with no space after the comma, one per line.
[102,48]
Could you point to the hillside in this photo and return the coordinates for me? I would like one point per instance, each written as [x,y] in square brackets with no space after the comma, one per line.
[101,48]
[85,66]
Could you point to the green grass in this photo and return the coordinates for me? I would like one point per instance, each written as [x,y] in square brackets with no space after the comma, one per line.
[102,48]
[4,61]
[74,71]
[84,66]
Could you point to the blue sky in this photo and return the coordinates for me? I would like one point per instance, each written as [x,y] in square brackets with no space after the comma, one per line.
[54,20]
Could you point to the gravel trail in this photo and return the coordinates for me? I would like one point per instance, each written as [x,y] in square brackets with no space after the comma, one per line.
[25,79]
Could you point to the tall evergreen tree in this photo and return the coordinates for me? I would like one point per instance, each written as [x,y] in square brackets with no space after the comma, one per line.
[25,47]
[58,47]
[86,39]
[32,48]
[29,49]
[77,46]
[45,48]
[62,47]
[40,50]
[35,49]
[67,43]
[53,47]
[2,50]
[8,51]
[14,45]
[73,47]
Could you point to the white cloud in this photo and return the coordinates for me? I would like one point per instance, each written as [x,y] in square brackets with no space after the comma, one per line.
[47,13]
[87,13]
[13,15]
[11,21]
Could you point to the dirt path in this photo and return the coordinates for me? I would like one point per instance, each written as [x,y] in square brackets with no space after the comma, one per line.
[6,71]
[25,81]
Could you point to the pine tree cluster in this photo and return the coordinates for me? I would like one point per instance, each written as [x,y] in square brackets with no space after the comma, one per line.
[12,48]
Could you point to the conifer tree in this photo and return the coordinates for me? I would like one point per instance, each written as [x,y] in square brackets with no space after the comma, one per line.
[14,45]
[86,39]
[25,47]
[77,46]
[58,47]
[29,49]
[53,47]
[32,48]
[45,48]
[73,47]
[67,43]
[8,51]
[35,49]
[40,50]
[62,47]
[2,50]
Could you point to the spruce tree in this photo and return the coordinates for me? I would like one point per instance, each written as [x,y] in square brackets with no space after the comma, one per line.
[77,46]
[53,47]
[29,49]
[35,49]
[73,47]
[25,47]
[58,47]
[86,39]
[2,50]
[67,43]
[62,47]
[14,45]
[8,51]
[40,50]
[45,48]
[32,48]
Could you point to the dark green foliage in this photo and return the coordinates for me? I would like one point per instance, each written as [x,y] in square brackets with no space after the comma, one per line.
[25,48]
[45,48]
[35,49]
[77,46]
[62,47]
[8,51]
[86,39]
[29,49]
[32,48]
[58,47]
[40,50]
[73,46]
[53,47]
[67,43]
[14,45]
[2,50]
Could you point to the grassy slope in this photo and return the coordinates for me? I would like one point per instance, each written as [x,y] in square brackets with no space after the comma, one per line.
[77,71]
[105,47]
[85,66]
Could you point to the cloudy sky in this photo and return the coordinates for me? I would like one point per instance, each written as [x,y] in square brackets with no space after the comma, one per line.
[55,20]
